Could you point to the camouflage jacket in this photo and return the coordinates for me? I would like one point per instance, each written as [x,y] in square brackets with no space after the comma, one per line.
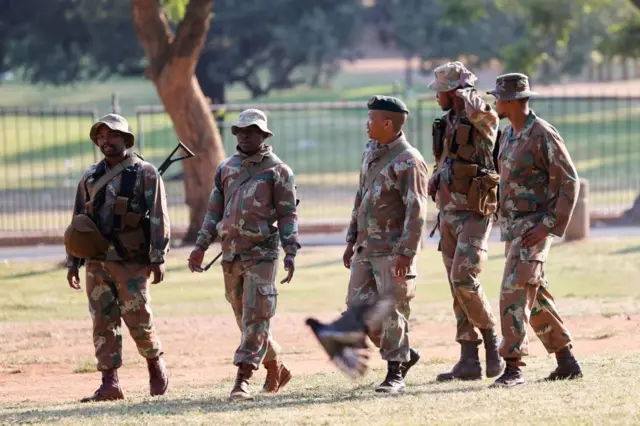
[245,223]
[485,123]
[148,196]
[539,182]
[390,218]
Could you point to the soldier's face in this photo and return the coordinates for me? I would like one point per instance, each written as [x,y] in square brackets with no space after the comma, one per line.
[110,142]
[502,108]
[250,138]
[444,100]
[377,125]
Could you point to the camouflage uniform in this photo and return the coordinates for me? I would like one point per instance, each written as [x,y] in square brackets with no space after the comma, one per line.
[119,288]
[250,246]
[386,222]
[539,187]
[117,282]
[464,234]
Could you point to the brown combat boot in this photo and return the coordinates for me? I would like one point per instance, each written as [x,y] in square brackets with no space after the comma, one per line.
[512,375]
[568,367]
[468,367]
[110,389]
[240,389]
[494,363]
[158,377]
[278,375]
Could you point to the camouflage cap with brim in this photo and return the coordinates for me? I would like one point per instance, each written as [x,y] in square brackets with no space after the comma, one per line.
[114,122]
[252,117]
[450,76]
[387,103]
[512,86]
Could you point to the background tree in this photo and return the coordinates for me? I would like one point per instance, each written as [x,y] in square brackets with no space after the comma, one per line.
[172,60]
[288,43]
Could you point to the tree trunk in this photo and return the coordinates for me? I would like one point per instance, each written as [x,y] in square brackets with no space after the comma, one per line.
[172,65]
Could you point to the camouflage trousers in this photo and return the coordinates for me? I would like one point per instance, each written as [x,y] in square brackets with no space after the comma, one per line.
[464,244]
[250,287]
[119,290]
[524,299]
[372,276]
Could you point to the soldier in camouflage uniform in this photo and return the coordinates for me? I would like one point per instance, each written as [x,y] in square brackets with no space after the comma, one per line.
[464,155]
[538,192]
[117,281]
[385,231]
[253,189]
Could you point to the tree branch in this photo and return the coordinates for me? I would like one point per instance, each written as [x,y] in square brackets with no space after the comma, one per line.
[154,34]
[191,35]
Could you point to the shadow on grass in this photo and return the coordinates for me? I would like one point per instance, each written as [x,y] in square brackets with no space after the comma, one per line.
[182,406]
[628,250]
[27,274]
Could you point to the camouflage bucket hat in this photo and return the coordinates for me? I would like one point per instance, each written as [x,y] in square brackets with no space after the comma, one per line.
[114,122]
[512,86]
[252,117]
[450,76]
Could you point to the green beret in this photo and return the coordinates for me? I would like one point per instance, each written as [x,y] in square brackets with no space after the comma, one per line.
[387,103]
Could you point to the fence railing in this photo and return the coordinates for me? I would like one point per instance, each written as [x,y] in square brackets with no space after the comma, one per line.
[44,151]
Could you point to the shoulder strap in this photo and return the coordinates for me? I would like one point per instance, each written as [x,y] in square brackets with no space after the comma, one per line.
[382,163]
[119,168]
[249,172]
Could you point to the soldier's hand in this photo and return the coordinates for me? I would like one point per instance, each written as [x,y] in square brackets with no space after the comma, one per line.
[401,266]
[535,235]
[195,260]
[158,272]
[73,278]
[348,254]
[290,266]
[433,185]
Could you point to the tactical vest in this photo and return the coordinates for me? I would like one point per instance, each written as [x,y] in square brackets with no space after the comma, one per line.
[477,182]
[129,232]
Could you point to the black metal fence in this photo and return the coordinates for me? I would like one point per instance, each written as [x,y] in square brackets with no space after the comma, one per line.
[43,153]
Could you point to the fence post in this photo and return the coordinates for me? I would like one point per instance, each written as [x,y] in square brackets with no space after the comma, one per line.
[578,227]
[115,103]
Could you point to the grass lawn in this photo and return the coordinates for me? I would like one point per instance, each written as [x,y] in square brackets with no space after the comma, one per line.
[592,283]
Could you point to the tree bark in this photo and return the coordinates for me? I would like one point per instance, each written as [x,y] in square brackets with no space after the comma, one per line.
[172,61]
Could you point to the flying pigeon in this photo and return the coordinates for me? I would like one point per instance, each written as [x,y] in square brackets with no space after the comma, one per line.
[344,338]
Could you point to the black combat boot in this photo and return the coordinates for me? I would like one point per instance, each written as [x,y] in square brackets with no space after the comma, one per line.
[512,375]
[568,367]
[393,383]
[494,363]
[414,357]
[468,367]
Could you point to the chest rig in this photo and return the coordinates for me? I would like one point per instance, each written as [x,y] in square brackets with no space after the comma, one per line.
[129,230]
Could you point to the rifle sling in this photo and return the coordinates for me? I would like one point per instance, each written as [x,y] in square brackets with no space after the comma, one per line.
[248,173]
[382,163]
[119,168]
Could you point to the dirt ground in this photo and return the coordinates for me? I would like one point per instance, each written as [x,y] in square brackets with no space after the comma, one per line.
[38,359]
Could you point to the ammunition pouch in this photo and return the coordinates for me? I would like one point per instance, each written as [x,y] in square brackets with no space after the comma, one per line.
[82,238]
[130,231]
[483,193]
[438,130]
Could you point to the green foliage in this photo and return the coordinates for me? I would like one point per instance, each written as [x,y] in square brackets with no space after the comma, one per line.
[174,9]
[277,46]
[62,41]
